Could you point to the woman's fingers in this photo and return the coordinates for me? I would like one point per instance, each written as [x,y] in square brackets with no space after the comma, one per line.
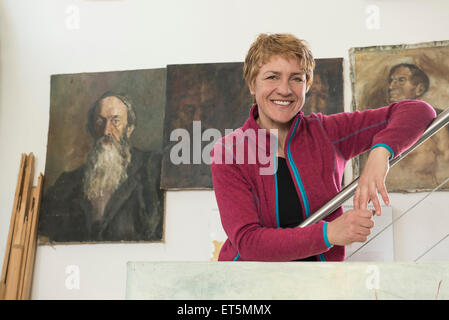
[375,199]
[361,197]
[364,195]
[383,192]
[372,181]
[351,226]
[356,199]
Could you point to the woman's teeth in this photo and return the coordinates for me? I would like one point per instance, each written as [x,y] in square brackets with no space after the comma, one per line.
[282,103]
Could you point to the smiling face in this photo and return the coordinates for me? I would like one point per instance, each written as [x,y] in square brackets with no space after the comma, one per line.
[279,90]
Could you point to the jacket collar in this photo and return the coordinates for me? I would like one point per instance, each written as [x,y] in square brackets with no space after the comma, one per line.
[251,123]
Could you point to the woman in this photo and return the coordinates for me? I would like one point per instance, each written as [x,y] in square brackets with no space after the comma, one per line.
[260,212]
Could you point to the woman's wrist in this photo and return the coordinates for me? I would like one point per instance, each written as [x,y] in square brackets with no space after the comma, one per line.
[383,149]
[325,235]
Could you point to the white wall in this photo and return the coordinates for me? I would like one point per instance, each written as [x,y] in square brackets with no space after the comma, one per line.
[39,38]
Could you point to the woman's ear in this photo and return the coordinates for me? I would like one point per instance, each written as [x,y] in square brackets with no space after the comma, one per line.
[252,92]
[308,85]
[251,89]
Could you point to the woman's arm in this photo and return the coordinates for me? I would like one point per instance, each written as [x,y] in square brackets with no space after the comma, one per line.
[387,131]
[395,127]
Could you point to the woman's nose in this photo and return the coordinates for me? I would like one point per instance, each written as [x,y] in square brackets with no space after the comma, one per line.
[284,88]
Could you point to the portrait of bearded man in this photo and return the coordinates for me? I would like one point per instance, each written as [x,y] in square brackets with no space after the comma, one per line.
[114,195]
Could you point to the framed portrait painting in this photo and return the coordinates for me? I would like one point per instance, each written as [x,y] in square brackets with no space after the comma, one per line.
[381,75]
[104,152]
[201,97]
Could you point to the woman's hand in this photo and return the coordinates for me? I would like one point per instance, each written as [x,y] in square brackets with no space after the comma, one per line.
[351,226]
[372,181]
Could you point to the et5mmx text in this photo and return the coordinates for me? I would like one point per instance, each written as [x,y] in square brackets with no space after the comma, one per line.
[225,309]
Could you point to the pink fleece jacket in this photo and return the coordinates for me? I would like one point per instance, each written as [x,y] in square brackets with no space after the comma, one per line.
[317,149]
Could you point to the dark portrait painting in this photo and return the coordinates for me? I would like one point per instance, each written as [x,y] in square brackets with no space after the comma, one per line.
[326,93]
[200,97]
[382,75]
[104,153]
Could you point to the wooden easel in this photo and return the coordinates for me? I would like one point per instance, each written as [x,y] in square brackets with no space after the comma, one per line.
[18,264]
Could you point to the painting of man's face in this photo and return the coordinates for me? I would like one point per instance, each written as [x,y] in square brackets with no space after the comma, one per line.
[212,95]
[326,93]
[111,119]
[403,85]
[386,74]
[103,186]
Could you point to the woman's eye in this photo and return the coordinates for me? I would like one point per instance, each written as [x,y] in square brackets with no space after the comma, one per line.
[298,79]
[271,77]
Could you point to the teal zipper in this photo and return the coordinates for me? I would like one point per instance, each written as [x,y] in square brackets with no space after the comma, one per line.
[296,173]
[298,180]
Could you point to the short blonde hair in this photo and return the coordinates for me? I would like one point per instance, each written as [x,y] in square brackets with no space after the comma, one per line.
[282,44]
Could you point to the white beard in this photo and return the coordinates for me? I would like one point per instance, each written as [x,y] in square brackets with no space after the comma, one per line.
[105,171]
